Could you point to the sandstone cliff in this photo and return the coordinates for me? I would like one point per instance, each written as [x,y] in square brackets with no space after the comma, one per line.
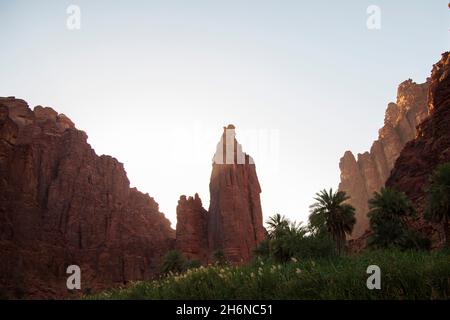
[234,222]
[192,234]
[361,177]
[430,148]
[61,204]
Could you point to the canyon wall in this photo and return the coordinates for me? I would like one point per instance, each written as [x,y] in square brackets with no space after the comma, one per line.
[431,147]
[61,204]
[362,176]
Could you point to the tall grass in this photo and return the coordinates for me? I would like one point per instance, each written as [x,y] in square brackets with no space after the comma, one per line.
[404,275]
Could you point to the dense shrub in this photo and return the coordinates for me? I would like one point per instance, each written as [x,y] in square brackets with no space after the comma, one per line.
[173,261]
[437,208]
[287,239]
[389,211]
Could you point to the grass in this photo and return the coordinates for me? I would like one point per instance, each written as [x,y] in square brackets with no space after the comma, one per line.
[404,275]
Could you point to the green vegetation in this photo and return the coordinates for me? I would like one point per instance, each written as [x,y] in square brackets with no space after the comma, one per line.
[331,213]
[287,240]
[437,207]
[404,275]
[219,258]
[173,261]
[330,221]
[389,211]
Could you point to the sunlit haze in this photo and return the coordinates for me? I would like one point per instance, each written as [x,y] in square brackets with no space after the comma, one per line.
[153,83]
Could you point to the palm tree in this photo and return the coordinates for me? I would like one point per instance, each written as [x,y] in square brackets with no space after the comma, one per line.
[173,261]
[284,237]
[388,210]
[391,203]
[278,225]
[437,208]
[331,213]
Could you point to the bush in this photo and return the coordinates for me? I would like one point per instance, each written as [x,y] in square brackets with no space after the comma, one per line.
[389,210]
[191,264]
[262,250]
[219,258]
[437,206]
[173,261]
[287,240]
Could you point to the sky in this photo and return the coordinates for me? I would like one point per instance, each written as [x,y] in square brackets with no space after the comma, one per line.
[153,83]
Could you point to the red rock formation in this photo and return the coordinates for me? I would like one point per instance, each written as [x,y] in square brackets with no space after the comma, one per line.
[233,223]
[192,236]
[235,217]
[61,204]
[430,148]
[361,177]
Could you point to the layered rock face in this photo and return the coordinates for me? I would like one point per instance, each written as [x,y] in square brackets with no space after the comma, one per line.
[61,204]
[431,147]
[192,235]
[363,176]
[234,222]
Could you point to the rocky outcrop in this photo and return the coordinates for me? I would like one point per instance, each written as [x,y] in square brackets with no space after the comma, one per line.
[235,216]
[234,220]
[363,176]
[192,236]
[431,147]
[61,204]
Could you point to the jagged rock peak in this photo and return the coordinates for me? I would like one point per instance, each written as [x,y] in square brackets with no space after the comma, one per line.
[361,177]
[22,115]
[195,200]
[229,151]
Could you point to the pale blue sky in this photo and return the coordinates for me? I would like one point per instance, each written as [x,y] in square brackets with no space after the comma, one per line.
[153,82]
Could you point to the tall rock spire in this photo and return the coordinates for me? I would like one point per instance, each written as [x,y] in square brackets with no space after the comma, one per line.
[235,216]
[234,222]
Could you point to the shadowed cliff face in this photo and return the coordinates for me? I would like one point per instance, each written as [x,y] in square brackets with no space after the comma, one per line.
[430,148]
[363,176]
[192,231]
[61,204]
[234,219]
